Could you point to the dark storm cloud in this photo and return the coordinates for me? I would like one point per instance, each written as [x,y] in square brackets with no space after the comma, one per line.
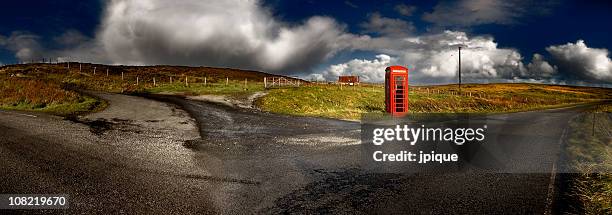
[387,26]
[465,13]
[25,45]
[216,33]
[405,10]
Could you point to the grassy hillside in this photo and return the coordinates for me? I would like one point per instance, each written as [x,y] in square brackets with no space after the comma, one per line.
[350,102]
[37,95]
[127,79]
[48,87]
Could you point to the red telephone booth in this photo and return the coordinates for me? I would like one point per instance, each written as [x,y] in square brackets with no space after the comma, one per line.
[396,90]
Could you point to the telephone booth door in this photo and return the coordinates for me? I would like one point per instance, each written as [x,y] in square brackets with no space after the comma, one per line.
[396,90]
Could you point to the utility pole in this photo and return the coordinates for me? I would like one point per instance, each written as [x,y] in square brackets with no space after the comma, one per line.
[459,68]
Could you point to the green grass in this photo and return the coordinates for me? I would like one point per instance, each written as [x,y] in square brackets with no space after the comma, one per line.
[351,102]
[325,101]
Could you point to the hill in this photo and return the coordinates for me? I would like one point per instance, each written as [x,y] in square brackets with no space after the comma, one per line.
[52,87]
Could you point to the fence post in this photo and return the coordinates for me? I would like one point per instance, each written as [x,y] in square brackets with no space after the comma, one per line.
[265,83]
[106,71]
[80,67]
[186,83]
[136,80]
[154,84]
[122,75]
[245,83]
[204,81]
[171,79]
[226,80]
[94,70]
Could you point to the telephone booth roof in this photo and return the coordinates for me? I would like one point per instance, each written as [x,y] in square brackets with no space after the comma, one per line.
[394,68]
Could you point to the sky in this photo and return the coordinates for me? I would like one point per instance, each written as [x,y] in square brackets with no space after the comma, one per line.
[561,42]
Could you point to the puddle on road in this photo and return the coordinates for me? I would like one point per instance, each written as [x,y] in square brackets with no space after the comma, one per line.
[97,127]
[192,144]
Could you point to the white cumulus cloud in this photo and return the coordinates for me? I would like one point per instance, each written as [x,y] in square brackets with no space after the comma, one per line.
[582,62]
[367,70]
[539,68]
[434,57]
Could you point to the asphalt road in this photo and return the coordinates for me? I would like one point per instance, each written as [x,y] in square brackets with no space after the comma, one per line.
[144,156]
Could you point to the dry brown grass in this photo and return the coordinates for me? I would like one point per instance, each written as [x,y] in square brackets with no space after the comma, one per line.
[123,79]
[22,93]
[589,152]
[37,93]
[39,86]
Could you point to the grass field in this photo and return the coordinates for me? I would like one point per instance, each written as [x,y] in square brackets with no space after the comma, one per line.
[350,102]
[589,148]
[37,95]
[47,87]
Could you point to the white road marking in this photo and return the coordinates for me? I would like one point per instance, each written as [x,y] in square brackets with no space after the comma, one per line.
[553,177]
[22,114]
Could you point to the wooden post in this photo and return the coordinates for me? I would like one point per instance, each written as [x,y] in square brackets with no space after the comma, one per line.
[136,80]
[265,83]
[154,84]
[171,79]
[79,67]
[94,70]
[204,81]
[186,83]
[593,127]
[245,83]
[122,75]
[226,80]
[107,72]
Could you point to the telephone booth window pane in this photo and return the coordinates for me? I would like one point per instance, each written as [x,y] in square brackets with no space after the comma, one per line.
[399,93]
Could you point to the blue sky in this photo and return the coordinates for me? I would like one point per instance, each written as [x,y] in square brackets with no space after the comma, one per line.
[343,37]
